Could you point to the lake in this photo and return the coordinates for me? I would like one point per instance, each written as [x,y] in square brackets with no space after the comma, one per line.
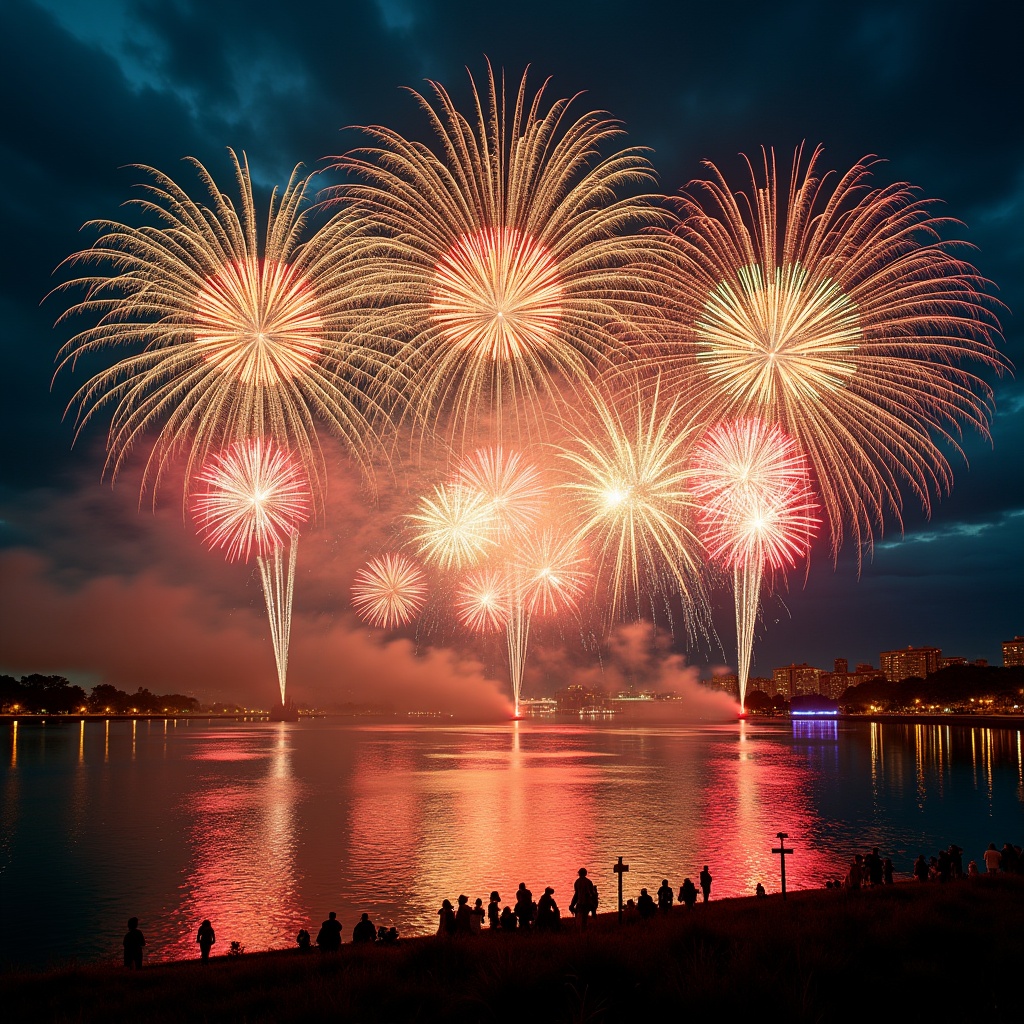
[264,828]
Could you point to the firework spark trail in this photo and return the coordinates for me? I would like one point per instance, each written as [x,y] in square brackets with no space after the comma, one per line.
[389,591]
[838,311]
[231,336]
[630,488]
[510,264]
[758,510]
[256,498]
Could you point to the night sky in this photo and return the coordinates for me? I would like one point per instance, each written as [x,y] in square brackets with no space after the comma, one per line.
[96,587]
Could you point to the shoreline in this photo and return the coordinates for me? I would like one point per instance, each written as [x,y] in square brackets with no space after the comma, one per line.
[724,958]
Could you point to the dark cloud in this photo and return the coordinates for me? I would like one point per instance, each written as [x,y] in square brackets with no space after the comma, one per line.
[94,85]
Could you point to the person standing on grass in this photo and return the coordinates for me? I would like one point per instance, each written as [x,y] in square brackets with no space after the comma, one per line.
[584,897]
[705,883]
[665,896]
[688,894]
[133,943]
[992,858]
[446,919]
[206,938]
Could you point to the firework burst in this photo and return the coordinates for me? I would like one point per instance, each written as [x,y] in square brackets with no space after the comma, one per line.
[229,336]
[389,591]
[482,600]
[509,261]
[629,482]
[512,487]
[257,497]
[454,527]
[837,311]
[758,511]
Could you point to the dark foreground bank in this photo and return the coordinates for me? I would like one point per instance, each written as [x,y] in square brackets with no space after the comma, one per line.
[908,952]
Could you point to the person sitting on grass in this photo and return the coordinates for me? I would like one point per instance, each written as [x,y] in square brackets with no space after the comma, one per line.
[493,910]
[508,920]
[547,911]
[364,931]
[645,905]
[329,936]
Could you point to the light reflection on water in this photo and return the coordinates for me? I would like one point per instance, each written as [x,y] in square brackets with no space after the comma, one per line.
[263,828]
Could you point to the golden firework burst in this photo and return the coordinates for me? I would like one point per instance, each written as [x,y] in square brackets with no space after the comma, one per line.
[229,335]
[509,264]
[836,310]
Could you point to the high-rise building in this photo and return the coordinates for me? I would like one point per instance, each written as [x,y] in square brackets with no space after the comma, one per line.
[794,680]
[910,661]
[841,666]
[1013,652]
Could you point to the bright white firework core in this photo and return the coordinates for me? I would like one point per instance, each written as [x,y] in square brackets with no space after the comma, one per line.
[258,321]
[497,294]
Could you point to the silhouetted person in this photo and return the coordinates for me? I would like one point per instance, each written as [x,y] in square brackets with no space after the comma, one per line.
[705,883]
[387,936]
[688,894]
[1008,859]
[992,858]
[524,906]
[493,910]
[873,864]
[945,866]
[547,911]
[329,936]
[365,930]
[855,875]
[956,861]
[476,916]
[584,897]
[206,939]
[759,890]
[921,868]
[645,905]
[463,916]
[133,943]
[665,896]
[972,869]
[508,920]
[887,871]
[446,919]
[303,941]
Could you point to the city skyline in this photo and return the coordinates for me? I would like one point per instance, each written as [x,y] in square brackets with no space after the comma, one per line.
[102,590]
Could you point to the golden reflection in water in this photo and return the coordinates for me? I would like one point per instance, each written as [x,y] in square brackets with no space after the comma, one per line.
[477,812]
[242,847]
[106,741]
[81,742]
[14,743]
[877,760]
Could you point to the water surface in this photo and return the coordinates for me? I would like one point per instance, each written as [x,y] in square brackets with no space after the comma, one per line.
[265,827]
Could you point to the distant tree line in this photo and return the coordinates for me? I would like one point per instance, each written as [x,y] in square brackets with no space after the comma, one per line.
[55,695]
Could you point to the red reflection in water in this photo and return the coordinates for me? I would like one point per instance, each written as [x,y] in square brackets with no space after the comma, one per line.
[242,841]
[758,790]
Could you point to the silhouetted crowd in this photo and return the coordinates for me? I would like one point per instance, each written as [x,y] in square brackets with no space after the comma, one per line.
[524,914]
[869,870]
